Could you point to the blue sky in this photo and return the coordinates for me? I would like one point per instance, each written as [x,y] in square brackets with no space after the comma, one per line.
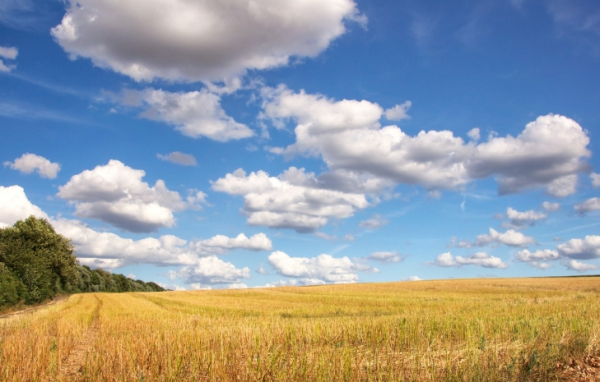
[209,144]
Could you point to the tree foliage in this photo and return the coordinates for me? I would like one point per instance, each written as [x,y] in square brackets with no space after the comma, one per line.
[36,264]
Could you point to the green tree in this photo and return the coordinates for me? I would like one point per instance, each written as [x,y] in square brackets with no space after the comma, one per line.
[12,290]
[41,258]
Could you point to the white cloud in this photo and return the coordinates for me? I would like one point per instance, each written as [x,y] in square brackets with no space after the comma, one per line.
[237,286]
[375,222]
[592,204]
[9,53]
[520,219]
[412,278]
[386,257]
[510,237]
[398,112]
[539,255]
[595,179]
[15,206]
[178,158]
[347,134]
[258,242]
[261,270]
[583,249]
[563,186]
[480,259]
[578,266]
[292,200]
[474,134]
[548,152]
[116,194]
[108,250]
[5,68]
[455,243]
[28,163]
[316,270]
[212,270]
[550,207]
[325,236]
[131,276]
[540,265]
[203,40]
[195,114]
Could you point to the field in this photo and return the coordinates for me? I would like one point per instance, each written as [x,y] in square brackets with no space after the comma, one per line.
[455,330]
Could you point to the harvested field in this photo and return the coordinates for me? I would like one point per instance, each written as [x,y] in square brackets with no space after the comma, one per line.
[455,330]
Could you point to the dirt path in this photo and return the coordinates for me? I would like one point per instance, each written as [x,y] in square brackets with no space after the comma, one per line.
[72,367]
[35,308]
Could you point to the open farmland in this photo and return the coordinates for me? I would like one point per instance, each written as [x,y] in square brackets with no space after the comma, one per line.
[486,329]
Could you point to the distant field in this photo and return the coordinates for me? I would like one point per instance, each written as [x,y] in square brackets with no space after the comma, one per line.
[457,330]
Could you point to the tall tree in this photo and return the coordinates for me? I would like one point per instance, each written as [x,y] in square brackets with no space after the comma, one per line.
[41,258]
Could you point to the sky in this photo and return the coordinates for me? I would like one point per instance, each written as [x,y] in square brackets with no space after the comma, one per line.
[214,144]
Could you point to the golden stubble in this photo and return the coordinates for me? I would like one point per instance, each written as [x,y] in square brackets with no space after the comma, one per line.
[462,330]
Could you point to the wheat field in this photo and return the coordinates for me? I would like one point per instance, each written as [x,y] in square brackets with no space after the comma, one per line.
[451,330]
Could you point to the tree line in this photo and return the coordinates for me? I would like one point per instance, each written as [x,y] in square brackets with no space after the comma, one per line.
[36,264]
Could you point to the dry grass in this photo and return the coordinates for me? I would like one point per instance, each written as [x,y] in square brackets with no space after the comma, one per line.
[458,330]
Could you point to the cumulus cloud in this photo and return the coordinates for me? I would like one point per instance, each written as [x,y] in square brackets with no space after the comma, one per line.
[178,158]
[376,222]
[550,207]
[261,270]
[480,259]
[412,278]
[521,219]
[398,112]
[316,270]
[578,266]
[212,270]
[194,114]
[109,250]
[9,53]
[511,238]
[203,40]
[540,265]
[537,259]
[16,206]
[258,242]
[582,249]
[592,204]
[474,134]
[455,243]
[292,200]
[595,179]
[539,255]
[116,194]
[29,163]
[237,286]
[386,257]
[347,134]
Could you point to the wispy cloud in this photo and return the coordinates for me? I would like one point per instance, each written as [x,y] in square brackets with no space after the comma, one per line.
[35,112]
